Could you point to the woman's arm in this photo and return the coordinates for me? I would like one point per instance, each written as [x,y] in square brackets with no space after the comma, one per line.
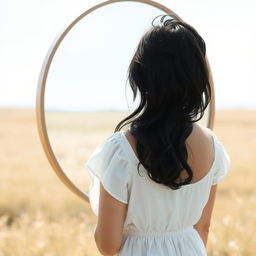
[109,231]
[203,225]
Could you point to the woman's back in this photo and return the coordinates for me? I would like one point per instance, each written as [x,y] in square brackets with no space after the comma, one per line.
[200,147]
[159,220]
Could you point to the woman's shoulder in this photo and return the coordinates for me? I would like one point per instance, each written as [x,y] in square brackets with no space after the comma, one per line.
[208,134]
[203,131]
[108,148]
[221,159]
[201,137]
[108,165]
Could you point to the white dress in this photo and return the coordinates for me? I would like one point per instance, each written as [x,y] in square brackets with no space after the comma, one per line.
[159,220]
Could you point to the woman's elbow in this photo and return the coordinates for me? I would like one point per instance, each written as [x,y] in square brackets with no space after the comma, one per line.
[205,227]
[106,248]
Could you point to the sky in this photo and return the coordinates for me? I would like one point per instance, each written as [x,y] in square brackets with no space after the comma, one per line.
[89,68]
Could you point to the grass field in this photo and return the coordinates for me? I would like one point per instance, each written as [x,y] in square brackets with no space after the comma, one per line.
[41,217]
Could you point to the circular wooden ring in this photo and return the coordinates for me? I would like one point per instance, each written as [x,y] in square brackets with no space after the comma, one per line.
[40,113]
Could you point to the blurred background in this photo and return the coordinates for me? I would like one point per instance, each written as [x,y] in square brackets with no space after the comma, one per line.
[38,215]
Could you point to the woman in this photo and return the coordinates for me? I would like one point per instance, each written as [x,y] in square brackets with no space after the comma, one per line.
[153,185]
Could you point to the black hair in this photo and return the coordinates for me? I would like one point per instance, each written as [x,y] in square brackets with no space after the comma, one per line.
[170,72]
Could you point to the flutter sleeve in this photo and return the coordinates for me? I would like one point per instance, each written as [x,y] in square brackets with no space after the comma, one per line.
[108,165]
[222,162]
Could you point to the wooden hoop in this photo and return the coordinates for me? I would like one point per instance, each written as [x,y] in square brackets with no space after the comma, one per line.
[40,113]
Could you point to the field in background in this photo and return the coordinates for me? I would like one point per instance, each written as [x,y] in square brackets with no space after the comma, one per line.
[39,216]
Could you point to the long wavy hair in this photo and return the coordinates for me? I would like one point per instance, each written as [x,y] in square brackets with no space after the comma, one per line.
[170,72]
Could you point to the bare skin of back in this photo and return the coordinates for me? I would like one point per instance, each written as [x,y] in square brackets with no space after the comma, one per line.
[200,151]
[200,148]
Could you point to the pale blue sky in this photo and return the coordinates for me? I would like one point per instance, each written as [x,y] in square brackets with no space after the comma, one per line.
[28,28]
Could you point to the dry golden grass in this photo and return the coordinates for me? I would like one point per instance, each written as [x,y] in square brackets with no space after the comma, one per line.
[39,216]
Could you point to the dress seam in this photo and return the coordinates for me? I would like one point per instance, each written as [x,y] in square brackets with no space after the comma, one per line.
[174,232]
